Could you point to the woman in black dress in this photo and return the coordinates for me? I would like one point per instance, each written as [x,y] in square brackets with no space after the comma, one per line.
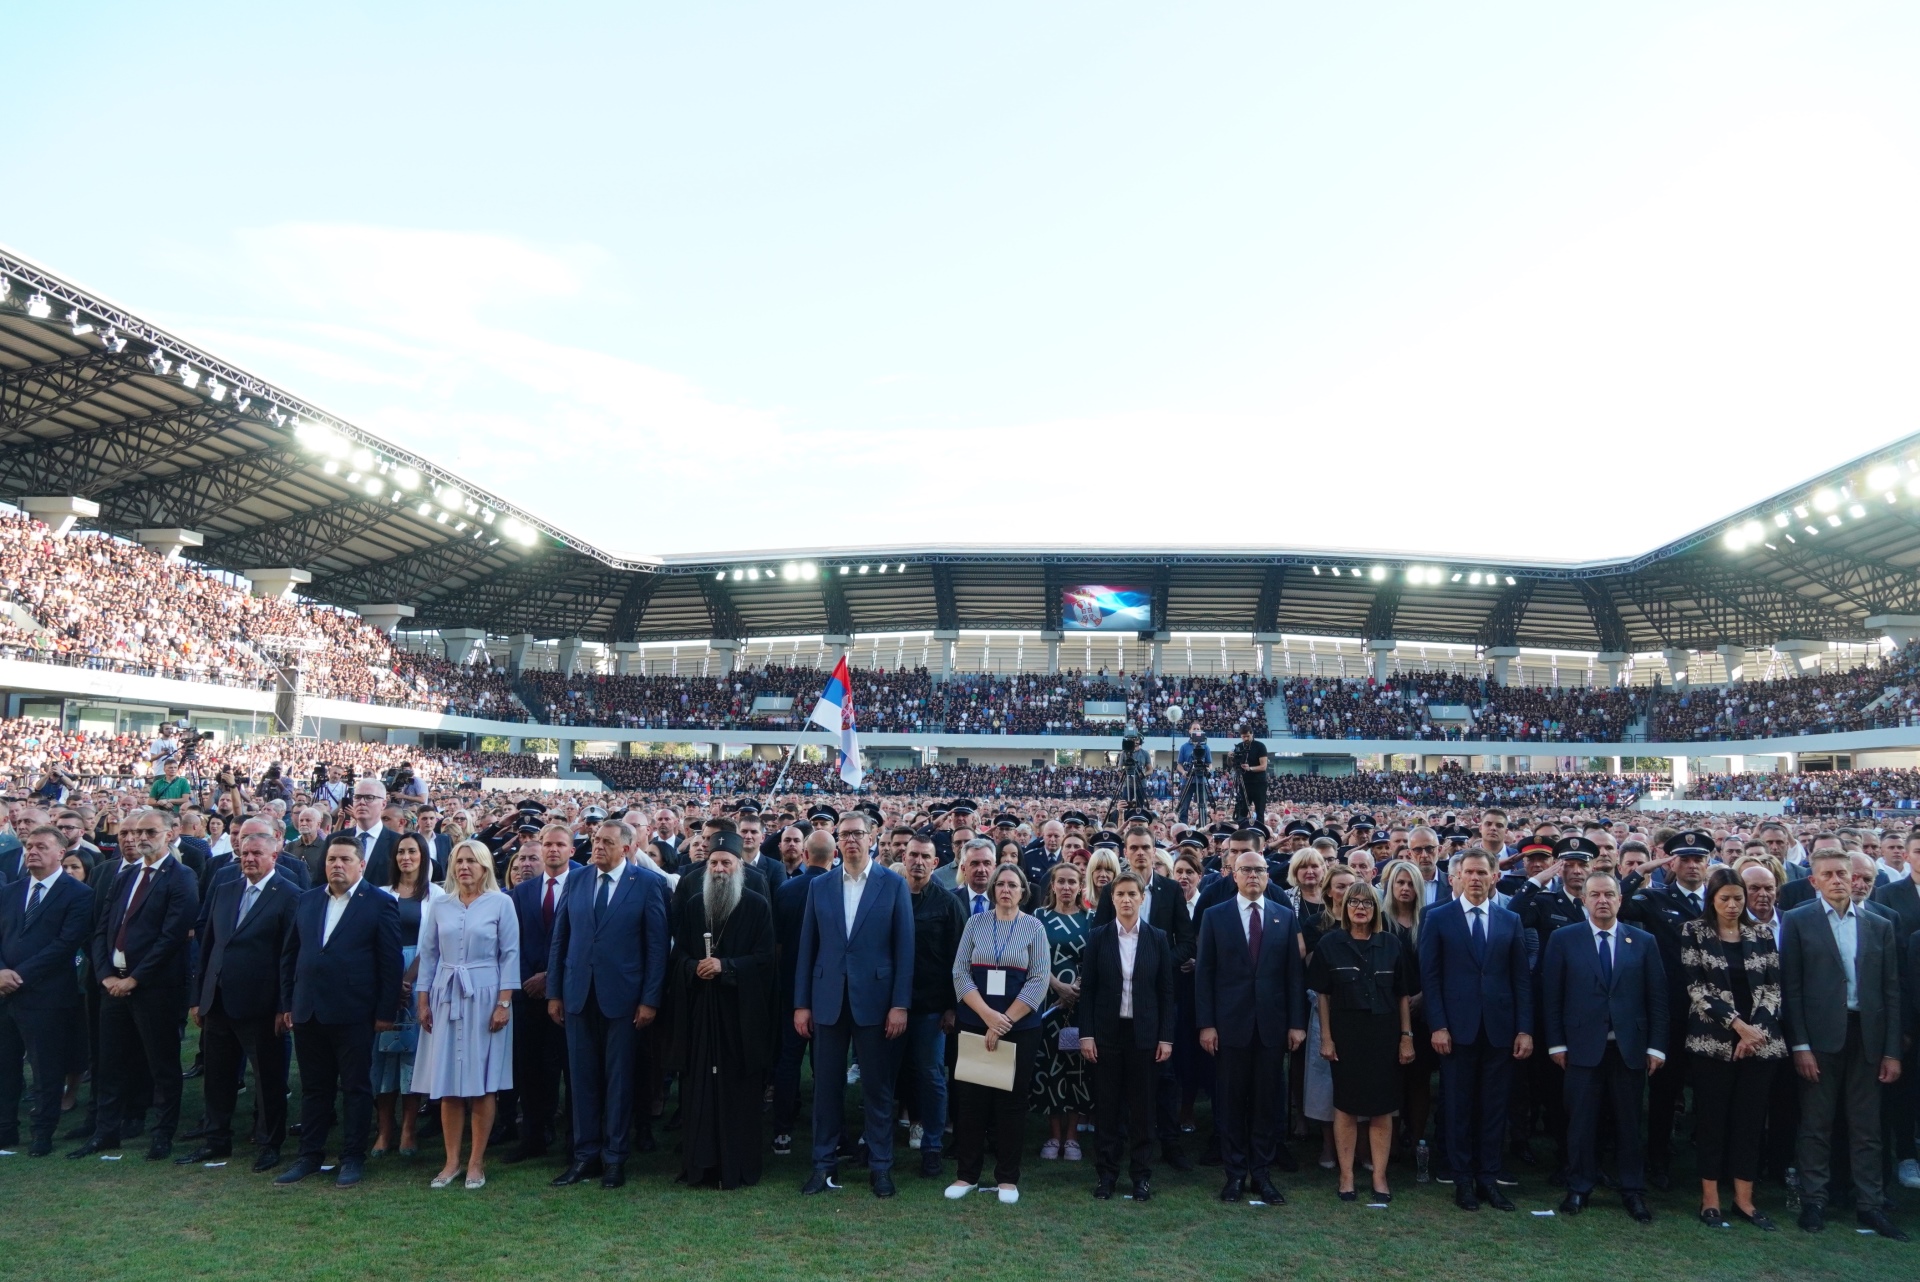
[1360,972]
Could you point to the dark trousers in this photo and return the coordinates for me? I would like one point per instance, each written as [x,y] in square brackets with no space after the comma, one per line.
[878,1060]
[600,1072]
[144,1028]
[335,1059]
[1476,1080]
[1729,1099]
[39,1038]
[539,1066]
[1251,797]
[786,1078]
[1783,1124]
[1247,1107]
[1850,1083]
[1125,1079]
[1621,1085]
[1897,1108]
[1663,1094]
[229,1044]
[977,1107]
[1539,1095]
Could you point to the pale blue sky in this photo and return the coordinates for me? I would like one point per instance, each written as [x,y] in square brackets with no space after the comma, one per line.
[1527,279]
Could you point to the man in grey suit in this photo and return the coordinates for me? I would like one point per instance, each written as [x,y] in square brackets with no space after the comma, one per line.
[1841,982]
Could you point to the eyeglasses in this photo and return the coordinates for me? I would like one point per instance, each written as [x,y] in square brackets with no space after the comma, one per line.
[144,832]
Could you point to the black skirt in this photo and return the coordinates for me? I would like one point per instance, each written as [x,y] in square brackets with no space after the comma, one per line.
[1367,1077]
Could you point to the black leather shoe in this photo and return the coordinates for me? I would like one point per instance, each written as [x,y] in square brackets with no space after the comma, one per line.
[1758,1219]
[1573,1203]
[302,1167]
[1711,1217]
[267,1159]
[614,1176]
[1463,1196]
[1269,1194]
[1494,1196]
[881,1183]
[196,1069]
[576,1173]
[1104,1190]
[1636,1204]
[1233,1190]
[1174,1156]
[1879,1223]
[159,1150]
[930,1167]
[818,1182]
[1142,1191]
[95,1146]
[352,1171]
[40,1148]
[1813,1217]
[205,1153]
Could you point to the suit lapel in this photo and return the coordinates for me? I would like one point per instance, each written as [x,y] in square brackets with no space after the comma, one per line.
[867,896]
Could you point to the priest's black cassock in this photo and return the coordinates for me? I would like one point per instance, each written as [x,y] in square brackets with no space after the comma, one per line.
[720,1046]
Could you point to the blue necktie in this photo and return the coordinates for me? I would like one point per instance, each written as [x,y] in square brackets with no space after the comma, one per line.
[1479,935]
[33,900]
[601,897]
[1606,958]
[979,904]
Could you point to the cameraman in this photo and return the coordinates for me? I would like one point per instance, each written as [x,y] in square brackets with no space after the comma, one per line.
[1134,763]
[1196,757]
[1250,767]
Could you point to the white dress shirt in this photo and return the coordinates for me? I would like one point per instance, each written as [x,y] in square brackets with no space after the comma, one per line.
[1846,937]
[852,887]
[1249,908]
[46,882]
[336,909]
[1129,941]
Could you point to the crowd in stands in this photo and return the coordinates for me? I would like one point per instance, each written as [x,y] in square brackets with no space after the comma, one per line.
[1814,792]
[1871,697]
[1397,708]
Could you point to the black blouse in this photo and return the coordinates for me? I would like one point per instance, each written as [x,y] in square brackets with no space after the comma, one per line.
[1368,975]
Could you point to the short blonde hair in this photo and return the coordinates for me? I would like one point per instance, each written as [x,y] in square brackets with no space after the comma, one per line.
[480,853]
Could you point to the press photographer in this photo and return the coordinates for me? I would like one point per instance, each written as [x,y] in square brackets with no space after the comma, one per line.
[1250,770]
[1196,763]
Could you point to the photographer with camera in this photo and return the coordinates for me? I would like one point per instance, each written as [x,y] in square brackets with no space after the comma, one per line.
[1196,759]
[1250,769]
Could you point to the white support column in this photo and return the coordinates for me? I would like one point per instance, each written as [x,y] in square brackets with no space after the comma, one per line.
[1682,776]
[58,512]
[516,744]
[1157,650]
[566,756]
[461,643]
[1734,657]
[1736,765]
[1380,657]
[1901,629]
[837,643]
[726,652]
[1611,662]
[1677,661]
[1051,639]
[277,583]
[168,543]
[627,661]
[385,617]
[519,650]
[570,654]
[1804,654]
[1265,641]
[1503,657]
[943,640]
[1613,766]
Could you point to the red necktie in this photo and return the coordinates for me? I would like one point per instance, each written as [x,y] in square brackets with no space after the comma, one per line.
[1253,934]
[546,905]
[138,897]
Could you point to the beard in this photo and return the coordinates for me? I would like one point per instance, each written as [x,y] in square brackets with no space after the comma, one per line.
[722,895]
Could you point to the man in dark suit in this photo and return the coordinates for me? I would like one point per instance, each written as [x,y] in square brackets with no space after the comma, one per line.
[789,910]
[225,869]
[853,985]
[606,971]
[1803,890]
[1605,994]
[1126,1006]
[539,1045]
[243,933]
[140,958]
[1423,848]
[374,839]
[340,980]
[1901,897]
[1250,1005]
[45,918]
[1841,1002]
[1165,909]
[1473,970]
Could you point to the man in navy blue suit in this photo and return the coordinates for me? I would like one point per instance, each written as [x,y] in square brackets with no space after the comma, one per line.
[290,869]
[340,984]
[243,934]
[1606,1010]
[606,970]
[853,983]
[1473,971]
[45,918]
[1250,1005]
[539,1047]
[374,839]
[140,958]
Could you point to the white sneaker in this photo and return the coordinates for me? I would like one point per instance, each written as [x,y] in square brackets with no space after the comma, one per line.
[959,1189]
[1072,1151]
[1910,1174]
[1008,1194]
[1050,1150]
[914,1135]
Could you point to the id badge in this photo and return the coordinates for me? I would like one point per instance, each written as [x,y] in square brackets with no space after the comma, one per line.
[996,983]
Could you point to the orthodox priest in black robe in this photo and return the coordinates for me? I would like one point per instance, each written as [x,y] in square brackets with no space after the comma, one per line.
[725,963]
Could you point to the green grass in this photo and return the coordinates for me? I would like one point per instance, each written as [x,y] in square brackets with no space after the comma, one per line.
[133,1220]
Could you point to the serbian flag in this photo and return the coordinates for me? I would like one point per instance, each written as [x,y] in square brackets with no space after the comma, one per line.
[834,714]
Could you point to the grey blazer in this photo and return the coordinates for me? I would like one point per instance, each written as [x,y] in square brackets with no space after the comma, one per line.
[1816,987]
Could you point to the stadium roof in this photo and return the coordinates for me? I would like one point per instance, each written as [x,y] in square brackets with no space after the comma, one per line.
[98,403]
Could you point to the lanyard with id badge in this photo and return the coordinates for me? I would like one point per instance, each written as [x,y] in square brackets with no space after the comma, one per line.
[1000,983]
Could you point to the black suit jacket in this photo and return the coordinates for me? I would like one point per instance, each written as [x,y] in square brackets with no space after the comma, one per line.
[1797,891]
[536,938]
[1101,983]
[157,935]
[41,951]
[1902,899]
[240,965]
[1814,985]
[377,866]
[1167,911]
[284,865]
[352,978]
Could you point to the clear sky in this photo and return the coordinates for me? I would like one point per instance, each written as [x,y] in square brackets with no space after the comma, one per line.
[1518,279]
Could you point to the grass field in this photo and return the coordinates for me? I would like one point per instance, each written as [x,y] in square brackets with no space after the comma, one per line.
[130,1219]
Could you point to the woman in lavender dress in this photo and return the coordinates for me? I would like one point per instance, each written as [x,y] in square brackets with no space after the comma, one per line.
[469,968]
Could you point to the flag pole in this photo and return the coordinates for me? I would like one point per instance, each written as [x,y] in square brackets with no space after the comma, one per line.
[782,776]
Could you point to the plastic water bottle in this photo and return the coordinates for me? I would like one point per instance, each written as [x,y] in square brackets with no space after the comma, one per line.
[1421,1173]
[1793,1188]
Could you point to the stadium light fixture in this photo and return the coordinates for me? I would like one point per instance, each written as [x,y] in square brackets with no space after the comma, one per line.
[721,576]
[1825,501]
[1377,573]
[883,569]
[375,486]
[79,326]
[216,389]
[112,340]
[808,570]
[441,516]
[1856,511]
[1834,520]
[789,571]
[1781,520]
[157,362]
[1316,571]
[406,478]
[1456,576]
[425,509]
[863,569]
[1474,578]
[189,377]
[902,569]
[6,287]
[239,402]
[1913,486]
[1884,477]
[331,467]
[38,307]
[363,459]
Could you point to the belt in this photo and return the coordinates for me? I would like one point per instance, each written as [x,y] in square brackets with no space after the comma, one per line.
[458,977]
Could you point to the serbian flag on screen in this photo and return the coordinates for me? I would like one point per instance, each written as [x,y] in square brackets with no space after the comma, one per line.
[834,714]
